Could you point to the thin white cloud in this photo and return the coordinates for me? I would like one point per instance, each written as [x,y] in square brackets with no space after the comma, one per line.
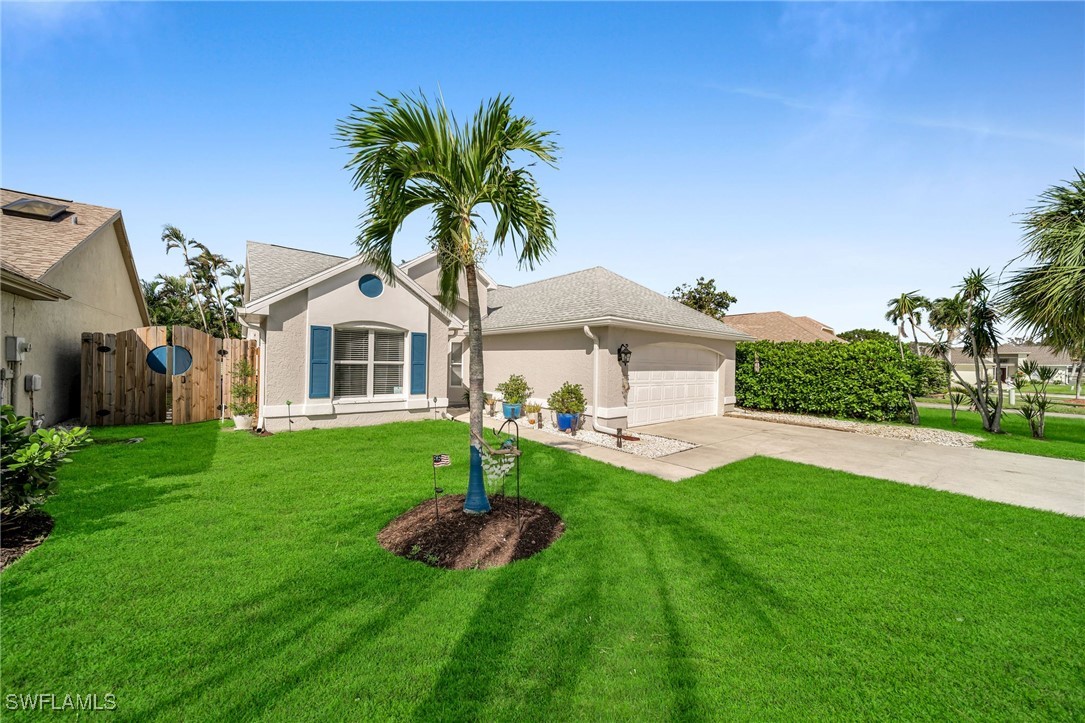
[846,108]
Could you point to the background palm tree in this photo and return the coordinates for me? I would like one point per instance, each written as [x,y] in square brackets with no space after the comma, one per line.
[946,316]
[409,154]
[907,309]
[1047,299]
[174,239]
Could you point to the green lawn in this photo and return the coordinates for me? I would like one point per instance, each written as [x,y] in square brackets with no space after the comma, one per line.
[1063,437]
[209,575]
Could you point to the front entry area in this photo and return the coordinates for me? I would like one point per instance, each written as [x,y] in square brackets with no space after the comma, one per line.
[668,382]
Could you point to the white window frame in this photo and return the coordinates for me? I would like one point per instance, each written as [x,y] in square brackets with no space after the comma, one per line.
[453,364]
[370,363]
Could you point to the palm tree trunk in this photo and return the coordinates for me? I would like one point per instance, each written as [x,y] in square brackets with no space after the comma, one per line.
[996,420]
[476,502]
[981,386]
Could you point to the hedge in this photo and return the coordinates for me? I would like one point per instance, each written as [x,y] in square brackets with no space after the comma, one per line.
[863,380]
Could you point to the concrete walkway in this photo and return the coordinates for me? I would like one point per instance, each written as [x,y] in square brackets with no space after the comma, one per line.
[1018,479]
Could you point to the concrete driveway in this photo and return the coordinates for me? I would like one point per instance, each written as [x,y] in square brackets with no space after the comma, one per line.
[1018,479]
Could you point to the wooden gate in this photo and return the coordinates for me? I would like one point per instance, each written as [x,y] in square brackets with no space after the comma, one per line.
[136,377]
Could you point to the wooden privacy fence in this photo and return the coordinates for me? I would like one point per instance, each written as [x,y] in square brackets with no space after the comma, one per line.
[136,377]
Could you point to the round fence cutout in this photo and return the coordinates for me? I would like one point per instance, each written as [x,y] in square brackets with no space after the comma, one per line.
[158,359]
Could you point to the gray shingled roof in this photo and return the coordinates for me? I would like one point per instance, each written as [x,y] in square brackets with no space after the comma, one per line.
[271,267]
[592,294]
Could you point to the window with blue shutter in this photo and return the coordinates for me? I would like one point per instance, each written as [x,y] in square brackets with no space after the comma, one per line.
[418,363]
[320,362]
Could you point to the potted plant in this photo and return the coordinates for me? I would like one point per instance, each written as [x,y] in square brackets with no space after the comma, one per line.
[243,391]
[532,412]
[514,392]
[569,403]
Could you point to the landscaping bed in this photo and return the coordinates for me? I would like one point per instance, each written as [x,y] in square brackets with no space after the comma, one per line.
[940,437]
[440,534]
[24,534]
[646,445]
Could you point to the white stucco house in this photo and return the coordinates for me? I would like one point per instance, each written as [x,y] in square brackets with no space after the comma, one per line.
[347,347]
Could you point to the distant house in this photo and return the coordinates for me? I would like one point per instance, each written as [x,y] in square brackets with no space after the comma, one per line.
[1010,358]
[348,347]
[778,326]
[65,268]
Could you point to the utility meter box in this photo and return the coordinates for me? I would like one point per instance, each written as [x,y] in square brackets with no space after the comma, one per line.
[32,382]
[15,348]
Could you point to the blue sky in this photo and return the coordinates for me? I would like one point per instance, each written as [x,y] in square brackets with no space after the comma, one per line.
[812,158]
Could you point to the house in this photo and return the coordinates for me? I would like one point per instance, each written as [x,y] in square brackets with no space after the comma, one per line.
[778,326]
[347,347]
[1011,356]
[65,268]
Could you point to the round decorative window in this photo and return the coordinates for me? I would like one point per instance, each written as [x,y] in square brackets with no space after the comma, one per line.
[158,359]
[182,360]
[370,286]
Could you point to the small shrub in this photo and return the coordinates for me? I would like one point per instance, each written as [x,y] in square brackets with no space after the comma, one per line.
[243,389]
[568,399]
[862,380]
[1034,403]
[514,390]
[29,462]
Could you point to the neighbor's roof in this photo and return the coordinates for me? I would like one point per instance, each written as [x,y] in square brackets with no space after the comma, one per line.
[594,295]
[32,246]
[778,326]
[1042,355]
[271,267]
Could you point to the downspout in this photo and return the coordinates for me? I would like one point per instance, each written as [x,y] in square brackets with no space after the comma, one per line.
[595,386]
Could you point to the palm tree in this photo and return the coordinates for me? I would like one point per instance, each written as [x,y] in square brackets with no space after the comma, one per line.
[947,315]
[174,239]
[980,339]
[211,266]
[907,308]
[409,154]
[1047,299]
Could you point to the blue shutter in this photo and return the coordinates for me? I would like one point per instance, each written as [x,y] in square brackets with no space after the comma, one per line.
[418,363]
[320,362]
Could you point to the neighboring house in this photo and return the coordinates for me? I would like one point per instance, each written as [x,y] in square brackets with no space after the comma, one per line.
[347,348]
[778,326]
[1011,356]
[65,268]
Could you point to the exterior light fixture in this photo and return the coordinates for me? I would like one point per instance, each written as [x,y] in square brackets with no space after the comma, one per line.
[624,355]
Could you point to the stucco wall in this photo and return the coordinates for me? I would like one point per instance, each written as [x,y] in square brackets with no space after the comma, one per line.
[427,274]
[547,359]
[336,302]
[102,299]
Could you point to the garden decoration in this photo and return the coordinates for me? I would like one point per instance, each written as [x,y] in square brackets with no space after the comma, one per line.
[439,460]
[496,463]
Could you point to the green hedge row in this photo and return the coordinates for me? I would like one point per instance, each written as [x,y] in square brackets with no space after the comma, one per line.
[863,380]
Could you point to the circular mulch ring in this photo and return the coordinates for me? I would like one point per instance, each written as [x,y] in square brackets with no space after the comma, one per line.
[23,534]
[458,541]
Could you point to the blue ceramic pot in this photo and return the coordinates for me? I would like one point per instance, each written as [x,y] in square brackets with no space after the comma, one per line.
[567,421]
[511,411]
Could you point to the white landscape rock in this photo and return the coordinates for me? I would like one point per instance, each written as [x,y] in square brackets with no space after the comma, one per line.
[649,445]
[916,434]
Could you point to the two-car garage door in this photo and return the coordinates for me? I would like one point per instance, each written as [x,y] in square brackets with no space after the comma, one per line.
[668,382]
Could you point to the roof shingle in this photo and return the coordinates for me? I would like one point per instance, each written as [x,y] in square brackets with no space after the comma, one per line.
[271,268]
[778,326]
[32,246]
[592,294]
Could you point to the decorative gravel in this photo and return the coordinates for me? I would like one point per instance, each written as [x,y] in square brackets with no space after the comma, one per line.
[649,445]
[891,431]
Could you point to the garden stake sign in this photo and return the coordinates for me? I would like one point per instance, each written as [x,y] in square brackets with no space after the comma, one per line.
[439,460]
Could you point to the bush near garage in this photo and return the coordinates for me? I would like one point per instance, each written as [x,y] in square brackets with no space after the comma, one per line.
[861,380]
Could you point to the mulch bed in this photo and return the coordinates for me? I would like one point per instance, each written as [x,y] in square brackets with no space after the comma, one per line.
[22,535]
[458,541]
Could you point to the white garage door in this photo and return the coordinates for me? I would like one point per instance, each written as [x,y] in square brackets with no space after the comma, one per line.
[668,382]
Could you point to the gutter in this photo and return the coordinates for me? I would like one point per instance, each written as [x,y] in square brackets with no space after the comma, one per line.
[595,388]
